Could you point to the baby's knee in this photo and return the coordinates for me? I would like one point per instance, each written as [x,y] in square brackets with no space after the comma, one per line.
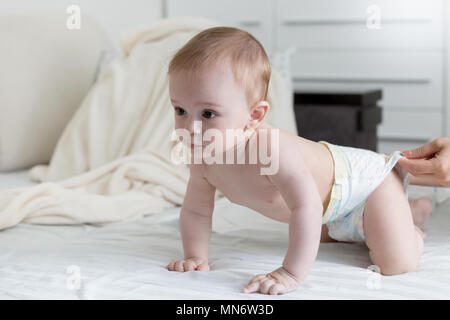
[398,264]
[392,269]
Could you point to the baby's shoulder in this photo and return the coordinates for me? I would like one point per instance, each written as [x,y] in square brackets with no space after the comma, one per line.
[280,147]
[279,140]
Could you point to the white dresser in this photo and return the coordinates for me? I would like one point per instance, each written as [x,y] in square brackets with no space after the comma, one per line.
[339,47]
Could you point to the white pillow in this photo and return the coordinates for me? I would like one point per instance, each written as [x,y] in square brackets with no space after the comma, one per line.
[281,60]
[46,70]
[281,113]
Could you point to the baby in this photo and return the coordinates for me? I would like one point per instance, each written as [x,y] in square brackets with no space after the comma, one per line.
[219,81]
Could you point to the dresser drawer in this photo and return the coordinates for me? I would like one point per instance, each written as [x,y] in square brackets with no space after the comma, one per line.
[408,79]
[253,16]
[410,126]
[343,24]
[387,146]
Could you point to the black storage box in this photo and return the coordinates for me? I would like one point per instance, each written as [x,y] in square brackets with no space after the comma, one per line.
[345,118]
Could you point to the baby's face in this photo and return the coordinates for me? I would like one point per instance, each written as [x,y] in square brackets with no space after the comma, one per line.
[212,97]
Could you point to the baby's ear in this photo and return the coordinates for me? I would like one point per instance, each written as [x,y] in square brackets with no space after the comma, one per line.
[257,113]
[263,104]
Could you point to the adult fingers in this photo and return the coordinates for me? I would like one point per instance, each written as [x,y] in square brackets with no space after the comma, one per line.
[417,166]
[428,179]
[426,150]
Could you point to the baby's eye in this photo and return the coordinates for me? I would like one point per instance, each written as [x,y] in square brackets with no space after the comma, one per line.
[179,111]
[209,114]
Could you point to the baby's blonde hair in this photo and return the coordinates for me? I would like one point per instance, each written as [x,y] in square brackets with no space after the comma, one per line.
[247,57]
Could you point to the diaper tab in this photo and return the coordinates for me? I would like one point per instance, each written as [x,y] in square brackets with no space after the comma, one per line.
[394,157]
[341,174]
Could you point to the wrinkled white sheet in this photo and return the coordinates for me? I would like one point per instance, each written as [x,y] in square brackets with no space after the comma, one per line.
[126,260]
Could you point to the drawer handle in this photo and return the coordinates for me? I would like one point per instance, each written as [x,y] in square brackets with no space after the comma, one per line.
[366,79]
[319,21]
[403,138]
[250,22]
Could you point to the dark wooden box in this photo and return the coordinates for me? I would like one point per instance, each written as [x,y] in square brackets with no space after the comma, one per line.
[344,118]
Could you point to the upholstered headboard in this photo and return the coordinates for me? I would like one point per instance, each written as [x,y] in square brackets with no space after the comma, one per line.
[46,70]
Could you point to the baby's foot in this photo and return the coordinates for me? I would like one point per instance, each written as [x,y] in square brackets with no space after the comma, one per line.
[421,232]
[421,209]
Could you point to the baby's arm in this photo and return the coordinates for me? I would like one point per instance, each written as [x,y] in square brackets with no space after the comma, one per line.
[299,190]
[195,223]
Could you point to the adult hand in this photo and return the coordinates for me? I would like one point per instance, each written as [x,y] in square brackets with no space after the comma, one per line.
[429,164]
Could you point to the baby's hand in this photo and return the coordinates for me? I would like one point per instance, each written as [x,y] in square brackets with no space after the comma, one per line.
[198,264]
[278,281]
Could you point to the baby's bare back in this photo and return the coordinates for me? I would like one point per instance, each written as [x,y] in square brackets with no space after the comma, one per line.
[244,184]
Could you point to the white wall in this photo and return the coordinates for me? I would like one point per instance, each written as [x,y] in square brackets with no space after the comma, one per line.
[336,50]
[114,16]
[416,95]
[264,18]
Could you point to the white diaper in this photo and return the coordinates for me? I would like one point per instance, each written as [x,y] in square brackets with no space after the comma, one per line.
[357,173]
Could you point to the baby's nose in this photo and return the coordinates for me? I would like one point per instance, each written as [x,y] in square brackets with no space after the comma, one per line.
[195,127]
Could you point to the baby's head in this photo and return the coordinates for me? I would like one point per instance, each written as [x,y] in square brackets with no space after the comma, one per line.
[221,78]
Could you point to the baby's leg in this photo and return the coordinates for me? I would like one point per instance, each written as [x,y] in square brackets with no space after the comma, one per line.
[395,243]
[324,236]
[421,209]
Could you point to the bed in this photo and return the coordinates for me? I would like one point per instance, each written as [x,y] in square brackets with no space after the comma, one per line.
[126,260]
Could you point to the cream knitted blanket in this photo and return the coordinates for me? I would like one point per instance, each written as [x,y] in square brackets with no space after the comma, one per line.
[113,162]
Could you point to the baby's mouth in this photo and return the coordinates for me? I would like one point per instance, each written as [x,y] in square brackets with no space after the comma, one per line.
[195,146]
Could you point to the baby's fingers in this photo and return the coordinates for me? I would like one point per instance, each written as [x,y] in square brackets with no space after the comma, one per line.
[277,289]
[189,265]
[252,287]
[179,266]
[258,277]
[171,265]
[266,285]
[202,267]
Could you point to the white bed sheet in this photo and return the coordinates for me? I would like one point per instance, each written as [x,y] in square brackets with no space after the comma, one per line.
[126,260]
